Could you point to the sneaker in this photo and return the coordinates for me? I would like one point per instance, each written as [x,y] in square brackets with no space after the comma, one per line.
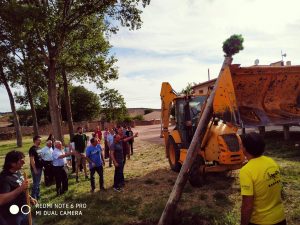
[117,189]
[92,190]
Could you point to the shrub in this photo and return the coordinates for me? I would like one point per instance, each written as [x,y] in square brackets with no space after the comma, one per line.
[138,117]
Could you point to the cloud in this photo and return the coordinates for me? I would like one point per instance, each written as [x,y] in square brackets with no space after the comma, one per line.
[4,106]
[181,39]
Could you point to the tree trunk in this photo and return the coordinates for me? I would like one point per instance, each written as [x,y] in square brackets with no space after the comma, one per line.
[32,107]
[168,213]
[68,104]
[13,109]
[53,103]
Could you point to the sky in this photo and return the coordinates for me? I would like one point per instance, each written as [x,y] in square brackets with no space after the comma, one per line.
[181,39]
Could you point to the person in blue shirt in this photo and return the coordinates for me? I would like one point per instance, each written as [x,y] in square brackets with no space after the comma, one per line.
[95,157]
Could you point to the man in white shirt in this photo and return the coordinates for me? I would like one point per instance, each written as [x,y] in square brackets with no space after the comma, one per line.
[61,177]
[46,155]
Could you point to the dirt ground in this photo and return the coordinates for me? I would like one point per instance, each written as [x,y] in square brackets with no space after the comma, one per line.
[150,133]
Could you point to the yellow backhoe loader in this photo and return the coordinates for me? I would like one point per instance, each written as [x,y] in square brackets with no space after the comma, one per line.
[245,97]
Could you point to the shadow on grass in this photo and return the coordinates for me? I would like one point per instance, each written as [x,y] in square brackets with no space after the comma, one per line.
[143,201]
[276,146]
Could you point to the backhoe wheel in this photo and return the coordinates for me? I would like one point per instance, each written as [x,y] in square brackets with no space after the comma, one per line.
[196,176]
[173,154]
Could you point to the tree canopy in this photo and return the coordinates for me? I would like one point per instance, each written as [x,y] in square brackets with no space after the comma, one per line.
[113,105]
[188,89]
[85,104]
[66,37]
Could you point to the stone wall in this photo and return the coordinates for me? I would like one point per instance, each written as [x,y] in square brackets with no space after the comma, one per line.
[144,123]
[7,133]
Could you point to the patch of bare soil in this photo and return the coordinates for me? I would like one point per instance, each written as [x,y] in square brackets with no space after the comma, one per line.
[5,124]
[150,133]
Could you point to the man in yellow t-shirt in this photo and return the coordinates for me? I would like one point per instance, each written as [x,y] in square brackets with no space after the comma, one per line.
[260,185]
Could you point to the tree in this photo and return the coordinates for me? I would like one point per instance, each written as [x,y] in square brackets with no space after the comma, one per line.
[146,111]
[85,104]
[86,59]
[188,90]
[29,71]
[138,117]
[113,105]
[6,64]
[233,45]
[50,23]
[20,46]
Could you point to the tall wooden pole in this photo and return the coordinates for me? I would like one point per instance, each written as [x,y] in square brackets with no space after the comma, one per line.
[28,202]
[170,208]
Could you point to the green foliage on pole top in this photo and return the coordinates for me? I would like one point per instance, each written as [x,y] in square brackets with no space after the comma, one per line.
[233,45]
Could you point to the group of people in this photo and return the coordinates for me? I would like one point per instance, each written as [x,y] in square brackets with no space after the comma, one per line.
[118,145]
[259,179]
[54,159]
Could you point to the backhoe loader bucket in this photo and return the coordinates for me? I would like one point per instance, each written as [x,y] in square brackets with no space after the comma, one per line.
[259,95]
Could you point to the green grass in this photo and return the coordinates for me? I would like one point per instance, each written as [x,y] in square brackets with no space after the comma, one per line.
[149,182]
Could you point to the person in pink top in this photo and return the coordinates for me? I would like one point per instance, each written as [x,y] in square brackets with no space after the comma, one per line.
[98,132]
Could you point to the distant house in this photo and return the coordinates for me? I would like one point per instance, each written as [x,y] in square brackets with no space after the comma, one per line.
[139,111]
[136,111]
[156,115]
[202,88]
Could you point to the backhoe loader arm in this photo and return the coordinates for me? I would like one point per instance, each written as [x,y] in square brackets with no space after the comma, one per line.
[167,95]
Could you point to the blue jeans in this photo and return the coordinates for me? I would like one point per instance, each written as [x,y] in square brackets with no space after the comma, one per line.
[36,178]
[99,170]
